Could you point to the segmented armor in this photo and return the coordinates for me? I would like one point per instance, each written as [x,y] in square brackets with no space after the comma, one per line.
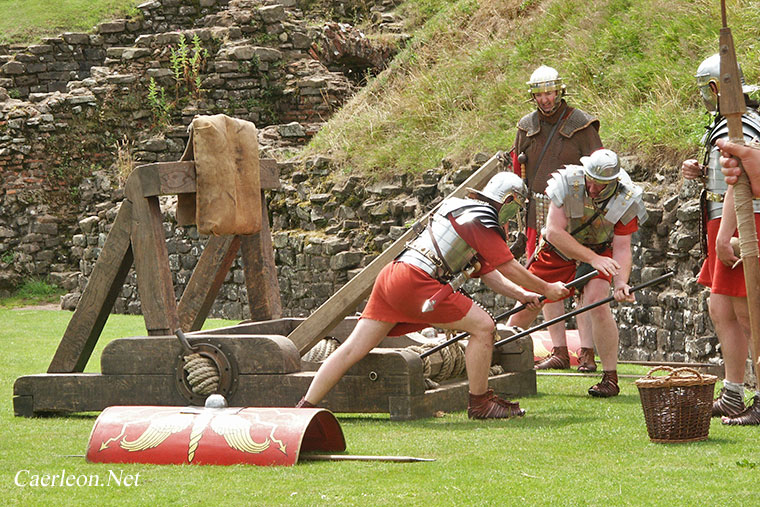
[567,189]
[715,183]
[456,254]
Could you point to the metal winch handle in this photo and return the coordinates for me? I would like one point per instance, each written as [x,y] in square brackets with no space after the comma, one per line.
[189,349]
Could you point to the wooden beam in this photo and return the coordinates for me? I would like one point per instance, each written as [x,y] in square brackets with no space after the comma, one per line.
[103,287]
[206,280]
[154,278]
[352,293]
[260,271]
[169,178]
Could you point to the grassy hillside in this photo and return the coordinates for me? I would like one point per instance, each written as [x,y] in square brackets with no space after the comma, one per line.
[459,85]
[26,21]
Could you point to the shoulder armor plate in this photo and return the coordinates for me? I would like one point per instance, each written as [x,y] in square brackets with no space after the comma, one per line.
[566,188]
[750,127]
[530,123]
[627,202]
[578,120]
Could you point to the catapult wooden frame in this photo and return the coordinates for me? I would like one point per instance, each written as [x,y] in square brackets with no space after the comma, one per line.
[264,354]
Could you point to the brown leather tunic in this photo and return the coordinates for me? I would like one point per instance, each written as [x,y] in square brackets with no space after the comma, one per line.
[576,136]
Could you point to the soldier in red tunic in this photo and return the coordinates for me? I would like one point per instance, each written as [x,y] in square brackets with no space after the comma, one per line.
[595,207]
[462,235]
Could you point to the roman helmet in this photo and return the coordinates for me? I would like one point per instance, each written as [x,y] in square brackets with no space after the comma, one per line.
[709,72]
[546,79]
[507,191]
[602,166]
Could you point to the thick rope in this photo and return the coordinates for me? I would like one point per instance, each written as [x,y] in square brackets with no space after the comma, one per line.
[321,350]
[202,374]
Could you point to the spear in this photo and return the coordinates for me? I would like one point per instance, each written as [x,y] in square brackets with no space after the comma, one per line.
[575,312]
[732,106]
[575,283]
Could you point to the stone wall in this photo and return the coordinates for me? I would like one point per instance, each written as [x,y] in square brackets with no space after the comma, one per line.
[85,107]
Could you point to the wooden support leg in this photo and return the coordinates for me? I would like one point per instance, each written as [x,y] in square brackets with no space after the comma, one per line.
[154,279]
[207,278]
[260,271]
[105,282]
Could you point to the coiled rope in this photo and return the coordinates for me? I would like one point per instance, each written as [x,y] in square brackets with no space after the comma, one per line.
[321,350]
[202,374]
[452,359]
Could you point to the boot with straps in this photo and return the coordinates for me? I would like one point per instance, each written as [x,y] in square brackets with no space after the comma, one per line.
[559,360]
[608,387]
[490,406]
[750,416]
[586,362]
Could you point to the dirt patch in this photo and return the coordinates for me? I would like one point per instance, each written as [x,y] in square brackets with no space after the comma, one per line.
[46,306]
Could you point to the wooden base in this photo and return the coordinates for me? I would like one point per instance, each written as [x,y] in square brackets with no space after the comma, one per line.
[268,372]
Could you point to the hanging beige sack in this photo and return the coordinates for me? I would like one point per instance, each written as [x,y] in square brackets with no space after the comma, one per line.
[228,190]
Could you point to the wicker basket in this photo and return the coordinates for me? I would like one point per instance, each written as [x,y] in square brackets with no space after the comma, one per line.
[677,406]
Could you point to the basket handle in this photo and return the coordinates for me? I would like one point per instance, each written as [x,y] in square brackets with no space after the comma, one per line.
[660,368]
[673,372]
[678,371]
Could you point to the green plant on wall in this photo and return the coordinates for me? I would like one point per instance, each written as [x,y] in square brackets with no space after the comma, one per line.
[159,106]
[187,62]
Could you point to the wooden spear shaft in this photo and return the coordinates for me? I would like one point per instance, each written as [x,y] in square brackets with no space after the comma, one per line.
[732,106]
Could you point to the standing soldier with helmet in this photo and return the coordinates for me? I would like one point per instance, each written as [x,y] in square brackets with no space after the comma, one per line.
[552,136]
[721,270]
[462,236]
[594,210]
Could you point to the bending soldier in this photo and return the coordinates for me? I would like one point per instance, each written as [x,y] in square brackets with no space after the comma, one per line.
[462,234]
[552,136]
[720,272]
[593,212]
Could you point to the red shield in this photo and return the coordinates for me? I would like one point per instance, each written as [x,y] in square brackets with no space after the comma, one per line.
[211,436]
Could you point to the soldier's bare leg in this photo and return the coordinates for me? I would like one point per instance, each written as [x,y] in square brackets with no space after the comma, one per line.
[366,335]
[479,350]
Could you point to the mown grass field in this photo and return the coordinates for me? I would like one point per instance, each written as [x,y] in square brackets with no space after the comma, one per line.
[569,450]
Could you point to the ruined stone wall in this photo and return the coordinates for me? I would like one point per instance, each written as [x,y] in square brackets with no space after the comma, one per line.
[75,104]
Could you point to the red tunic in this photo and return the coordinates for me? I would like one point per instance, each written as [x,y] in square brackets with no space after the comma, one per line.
[401,289]
[551,267]
[714,274]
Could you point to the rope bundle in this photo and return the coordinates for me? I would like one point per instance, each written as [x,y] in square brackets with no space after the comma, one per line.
[202,374]
[321,350]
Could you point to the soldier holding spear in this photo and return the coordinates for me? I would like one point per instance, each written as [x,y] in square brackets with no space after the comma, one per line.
[721,271]
[593,212]
[733,106]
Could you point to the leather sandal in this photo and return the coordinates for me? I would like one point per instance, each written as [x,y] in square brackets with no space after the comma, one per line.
[302,403]
[490,406]
[723,406]
[750,416]
[586,362]
[559,360]
[608,387]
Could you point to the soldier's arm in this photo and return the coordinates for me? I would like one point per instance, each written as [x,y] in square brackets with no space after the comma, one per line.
[621,253]
[728,224]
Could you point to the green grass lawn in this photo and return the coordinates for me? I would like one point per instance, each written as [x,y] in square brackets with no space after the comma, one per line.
[570,449]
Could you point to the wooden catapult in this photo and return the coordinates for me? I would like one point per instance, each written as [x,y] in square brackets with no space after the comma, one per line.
[259,361]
